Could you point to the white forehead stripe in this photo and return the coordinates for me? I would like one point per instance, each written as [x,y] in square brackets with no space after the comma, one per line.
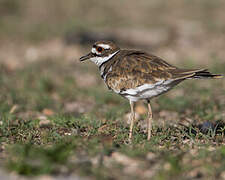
[93,50]
[104,46]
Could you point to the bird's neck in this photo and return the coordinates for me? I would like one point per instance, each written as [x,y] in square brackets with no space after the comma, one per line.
[100,60]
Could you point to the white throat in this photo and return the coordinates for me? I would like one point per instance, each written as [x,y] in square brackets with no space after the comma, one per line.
[99,60]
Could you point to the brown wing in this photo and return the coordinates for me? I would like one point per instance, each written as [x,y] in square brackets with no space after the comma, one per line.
[135,68]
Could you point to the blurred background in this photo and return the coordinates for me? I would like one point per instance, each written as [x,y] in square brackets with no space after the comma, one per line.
[46,94]
[174,30]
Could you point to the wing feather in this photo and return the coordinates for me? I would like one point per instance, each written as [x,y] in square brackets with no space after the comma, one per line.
[135,68]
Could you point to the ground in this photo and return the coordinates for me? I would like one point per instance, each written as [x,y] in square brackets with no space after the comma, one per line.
[59,121]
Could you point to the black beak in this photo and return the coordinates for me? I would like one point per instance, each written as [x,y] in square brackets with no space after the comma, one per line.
[88,56]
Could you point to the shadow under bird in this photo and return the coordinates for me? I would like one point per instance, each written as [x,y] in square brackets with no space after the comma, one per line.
[137,75]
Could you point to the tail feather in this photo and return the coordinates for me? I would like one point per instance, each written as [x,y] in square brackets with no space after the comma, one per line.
[193,74]
[206,74]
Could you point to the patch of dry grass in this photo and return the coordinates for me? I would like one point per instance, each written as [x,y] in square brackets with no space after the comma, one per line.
[58,118]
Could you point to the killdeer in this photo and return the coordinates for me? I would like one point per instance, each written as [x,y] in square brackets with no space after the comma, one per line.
[137,75]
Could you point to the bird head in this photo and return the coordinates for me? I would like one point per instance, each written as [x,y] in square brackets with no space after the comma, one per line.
[101,52]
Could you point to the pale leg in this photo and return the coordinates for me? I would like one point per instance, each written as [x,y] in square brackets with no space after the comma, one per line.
[132,119]
[149,122]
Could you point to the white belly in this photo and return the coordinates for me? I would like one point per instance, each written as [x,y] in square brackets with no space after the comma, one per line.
[147,91]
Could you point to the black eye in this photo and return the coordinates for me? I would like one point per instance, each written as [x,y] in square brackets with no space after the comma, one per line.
[99,49]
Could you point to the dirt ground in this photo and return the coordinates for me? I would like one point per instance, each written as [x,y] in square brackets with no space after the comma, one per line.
[59,121]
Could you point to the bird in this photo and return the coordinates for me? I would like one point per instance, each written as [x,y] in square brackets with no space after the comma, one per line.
[138,75]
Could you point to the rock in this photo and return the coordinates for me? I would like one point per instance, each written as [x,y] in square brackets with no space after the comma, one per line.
[150,156]
[44,122]
[48,112]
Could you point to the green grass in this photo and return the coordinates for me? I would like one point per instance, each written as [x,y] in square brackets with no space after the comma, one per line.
[39,135]
[87,143]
